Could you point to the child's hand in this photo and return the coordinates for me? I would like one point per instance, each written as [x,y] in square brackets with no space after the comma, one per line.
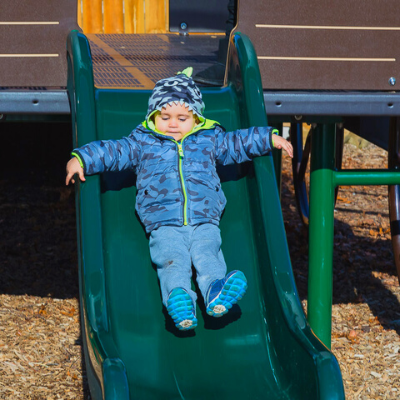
[281,143]
[73,167]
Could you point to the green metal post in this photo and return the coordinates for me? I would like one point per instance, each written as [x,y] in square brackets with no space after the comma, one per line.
[322,192]
[367,177]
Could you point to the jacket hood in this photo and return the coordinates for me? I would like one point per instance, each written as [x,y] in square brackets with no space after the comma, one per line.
[149,127]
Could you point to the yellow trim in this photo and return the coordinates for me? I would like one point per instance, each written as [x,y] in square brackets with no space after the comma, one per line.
[150,123]
[326,59]
[78,158]
[335,27]
[206,124]
[181,156]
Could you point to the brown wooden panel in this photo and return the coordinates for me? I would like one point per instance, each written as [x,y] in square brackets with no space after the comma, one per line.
[113,16]
[123,16]
[33,39]
[92,16]
[80,13]
[128,16]
[139,16]
[155,18]
[134,16]
[324,45]
[32,73]
[38,10]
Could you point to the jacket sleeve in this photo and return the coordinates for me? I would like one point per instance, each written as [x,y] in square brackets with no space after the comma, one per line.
[108,155]
[244,144]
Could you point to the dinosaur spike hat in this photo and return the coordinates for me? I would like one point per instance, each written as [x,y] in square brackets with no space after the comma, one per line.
[178,89]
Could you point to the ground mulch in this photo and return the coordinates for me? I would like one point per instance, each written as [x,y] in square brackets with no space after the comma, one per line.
[40,344]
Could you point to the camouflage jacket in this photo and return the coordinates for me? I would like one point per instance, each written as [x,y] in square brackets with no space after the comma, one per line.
[177,183]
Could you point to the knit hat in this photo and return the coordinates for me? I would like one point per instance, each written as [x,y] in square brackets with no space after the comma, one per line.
[179,89]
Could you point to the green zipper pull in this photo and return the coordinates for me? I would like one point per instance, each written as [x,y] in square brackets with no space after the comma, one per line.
[180,150]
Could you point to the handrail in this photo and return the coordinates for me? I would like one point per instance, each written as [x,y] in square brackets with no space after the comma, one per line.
[104,354]
[330,381]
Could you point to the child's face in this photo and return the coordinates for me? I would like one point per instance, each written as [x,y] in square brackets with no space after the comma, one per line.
[175,121]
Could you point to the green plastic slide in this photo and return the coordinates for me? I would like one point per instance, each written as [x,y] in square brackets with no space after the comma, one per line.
[263,348]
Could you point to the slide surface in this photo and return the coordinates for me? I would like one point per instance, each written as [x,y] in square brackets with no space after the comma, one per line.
[263,348]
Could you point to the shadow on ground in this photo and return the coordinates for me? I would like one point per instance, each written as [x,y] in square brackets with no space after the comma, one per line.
[37,212]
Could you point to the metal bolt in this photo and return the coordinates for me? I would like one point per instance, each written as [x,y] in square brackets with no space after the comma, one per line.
[392,81]
[184,26]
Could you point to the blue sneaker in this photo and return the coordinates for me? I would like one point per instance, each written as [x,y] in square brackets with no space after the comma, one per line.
[224,293]
[181,308]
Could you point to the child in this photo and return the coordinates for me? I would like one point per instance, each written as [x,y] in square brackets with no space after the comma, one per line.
[179,196]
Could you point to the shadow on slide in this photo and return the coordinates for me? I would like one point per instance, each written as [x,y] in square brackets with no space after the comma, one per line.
[263,349]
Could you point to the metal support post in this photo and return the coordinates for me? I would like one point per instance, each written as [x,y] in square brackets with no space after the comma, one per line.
[321,231]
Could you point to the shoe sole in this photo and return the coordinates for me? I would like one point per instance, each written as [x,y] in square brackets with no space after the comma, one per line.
[233,291]
[181,309]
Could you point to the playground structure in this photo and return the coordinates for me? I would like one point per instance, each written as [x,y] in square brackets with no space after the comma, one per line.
[335,67]
[109,78]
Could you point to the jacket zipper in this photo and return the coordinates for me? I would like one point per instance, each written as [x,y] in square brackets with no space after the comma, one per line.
[181,155]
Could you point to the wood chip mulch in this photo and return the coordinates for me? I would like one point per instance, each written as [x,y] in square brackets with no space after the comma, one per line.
[40,344]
